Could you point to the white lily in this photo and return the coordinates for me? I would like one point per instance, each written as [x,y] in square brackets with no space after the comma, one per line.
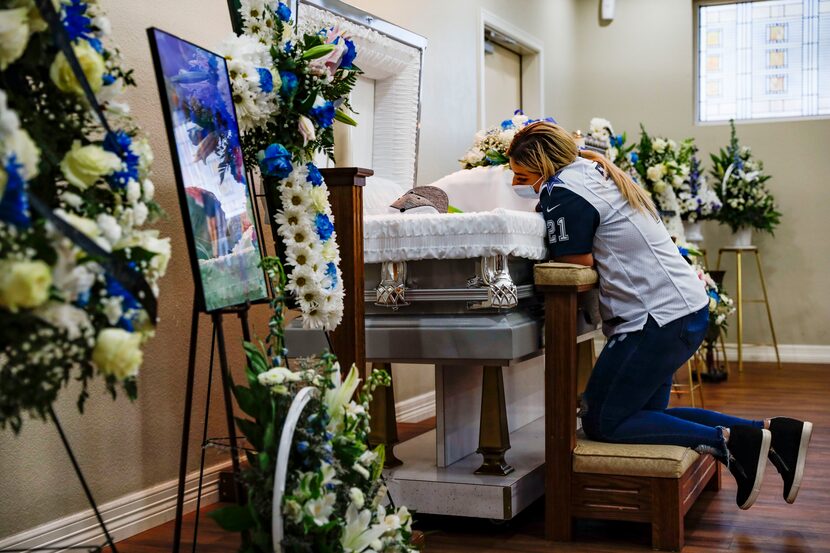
[358,535]
[337,398]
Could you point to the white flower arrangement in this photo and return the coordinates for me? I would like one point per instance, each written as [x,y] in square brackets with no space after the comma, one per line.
[333,490]
[285,91]
[254,85]
[490,145]
[741,186]
[306,226]
[62,315]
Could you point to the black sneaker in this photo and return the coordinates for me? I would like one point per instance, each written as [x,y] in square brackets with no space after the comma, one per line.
[790,438]
[748,449]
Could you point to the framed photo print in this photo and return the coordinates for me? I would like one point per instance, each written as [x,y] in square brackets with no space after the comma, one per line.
[214,193]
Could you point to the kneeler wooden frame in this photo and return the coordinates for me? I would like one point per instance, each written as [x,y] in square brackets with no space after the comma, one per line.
[661,502]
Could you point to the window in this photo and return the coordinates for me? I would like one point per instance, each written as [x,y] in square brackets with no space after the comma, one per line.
[762,60]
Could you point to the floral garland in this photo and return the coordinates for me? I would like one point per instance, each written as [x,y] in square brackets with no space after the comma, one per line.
[490,145]
[62,315]
[741,188]
[333,486]
[286,90]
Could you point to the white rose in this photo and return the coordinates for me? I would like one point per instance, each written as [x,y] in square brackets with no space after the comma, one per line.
[14,35]
[84,165]
[118,353]
[92,64]
[149,190]
[660,187]
[659,145]
[24,284]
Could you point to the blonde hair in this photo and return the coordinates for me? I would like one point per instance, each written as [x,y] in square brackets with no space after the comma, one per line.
[544,148]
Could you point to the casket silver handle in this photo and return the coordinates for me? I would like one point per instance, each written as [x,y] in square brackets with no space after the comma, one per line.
[494,274]
[391,292]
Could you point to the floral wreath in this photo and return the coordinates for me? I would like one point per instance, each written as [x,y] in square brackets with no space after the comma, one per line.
[67,304]
[288,92]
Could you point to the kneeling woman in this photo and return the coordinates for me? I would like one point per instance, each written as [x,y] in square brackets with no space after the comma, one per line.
[655,313]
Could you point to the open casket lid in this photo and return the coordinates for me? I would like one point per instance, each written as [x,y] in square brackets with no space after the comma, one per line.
[388,95]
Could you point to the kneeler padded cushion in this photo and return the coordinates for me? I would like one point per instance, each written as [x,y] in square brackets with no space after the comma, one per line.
[563,274]
[655,461]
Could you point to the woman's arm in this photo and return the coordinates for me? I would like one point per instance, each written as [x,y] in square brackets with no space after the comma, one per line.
[586,259]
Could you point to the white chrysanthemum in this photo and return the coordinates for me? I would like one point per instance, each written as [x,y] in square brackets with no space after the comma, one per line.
[296,198]
[300,279]
[303,256]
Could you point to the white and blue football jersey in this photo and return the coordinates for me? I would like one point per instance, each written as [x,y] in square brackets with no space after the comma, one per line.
[641,271]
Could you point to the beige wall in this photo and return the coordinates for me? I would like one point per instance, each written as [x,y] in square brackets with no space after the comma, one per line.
[639,69]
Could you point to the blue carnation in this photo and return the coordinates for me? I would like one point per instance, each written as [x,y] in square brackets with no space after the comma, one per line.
[14,204]
[266,80]
[633,157]
[289,83]
[314,176]
[120,143]
[275,161]
[349,56]
[331,272]
[324,226]
[617,141]
[284,12]
[108,79]
[129,305]
[507,124]
[323,114]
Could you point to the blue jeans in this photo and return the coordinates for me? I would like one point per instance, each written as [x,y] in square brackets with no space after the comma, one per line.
[627,396]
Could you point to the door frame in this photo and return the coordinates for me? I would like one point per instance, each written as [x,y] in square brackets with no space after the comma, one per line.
[533,82]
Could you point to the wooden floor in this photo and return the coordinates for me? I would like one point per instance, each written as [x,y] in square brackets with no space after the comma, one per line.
[713,525]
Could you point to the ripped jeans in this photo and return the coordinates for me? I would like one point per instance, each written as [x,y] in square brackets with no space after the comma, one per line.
[627,396]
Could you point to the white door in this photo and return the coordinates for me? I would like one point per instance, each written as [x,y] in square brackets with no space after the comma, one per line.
[502,84]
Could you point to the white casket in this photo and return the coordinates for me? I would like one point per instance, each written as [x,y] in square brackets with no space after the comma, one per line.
[450,290]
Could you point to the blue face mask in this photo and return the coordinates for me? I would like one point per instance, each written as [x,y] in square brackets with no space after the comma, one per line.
[528,191]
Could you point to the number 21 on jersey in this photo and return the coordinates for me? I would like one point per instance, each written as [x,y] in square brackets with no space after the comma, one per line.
[553,227]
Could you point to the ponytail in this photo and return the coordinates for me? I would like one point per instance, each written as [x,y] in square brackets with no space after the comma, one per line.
[635,195]
[544,148]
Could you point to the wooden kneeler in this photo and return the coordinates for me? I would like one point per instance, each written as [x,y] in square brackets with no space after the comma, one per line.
[585,479]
